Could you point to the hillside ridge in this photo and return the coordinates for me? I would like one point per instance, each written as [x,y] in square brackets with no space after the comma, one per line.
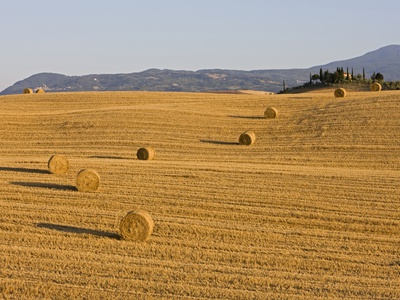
[385,60]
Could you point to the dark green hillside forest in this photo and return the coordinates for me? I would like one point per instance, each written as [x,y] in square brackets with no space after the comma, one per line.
[347,78]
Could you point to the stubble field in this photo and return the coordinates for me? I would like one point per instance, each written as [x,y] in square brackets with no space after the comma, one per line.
[310,211]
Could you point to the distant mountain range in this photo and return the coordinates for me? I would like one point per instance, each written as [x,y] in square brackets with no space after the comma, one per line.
[385,60]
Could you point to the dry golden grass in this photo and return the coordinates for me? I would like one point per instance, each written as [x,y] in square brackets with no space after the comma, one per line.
[311,211]
[253,92]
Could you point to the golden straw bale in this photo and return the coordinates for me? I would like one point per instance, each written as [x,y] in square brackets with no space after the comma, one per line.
[271,113]
[136,226]
[340,93]
[27,91]
[58,164]
[376,87]
[146,153]
[39,91]
[87,180]
[247,138]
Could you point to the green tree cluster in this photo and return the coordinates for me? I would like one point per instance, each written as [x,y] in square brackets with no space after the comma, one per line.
[377,77]
[340,76]
[336,77]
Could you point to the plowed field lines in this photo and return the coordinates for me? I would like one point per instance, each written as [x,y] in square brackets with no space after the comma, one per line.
[310,211]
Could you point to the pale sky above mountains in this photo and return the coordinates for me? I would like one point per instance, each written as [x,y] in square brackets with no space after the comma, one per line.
[78,37]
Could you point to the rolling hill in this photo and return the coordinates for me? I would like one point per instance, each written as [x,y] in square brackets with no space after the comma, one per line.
[310,211]
[385,60]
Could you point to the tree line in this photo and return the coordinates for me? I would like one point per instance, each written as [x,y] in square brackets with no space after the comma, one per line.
[341,76]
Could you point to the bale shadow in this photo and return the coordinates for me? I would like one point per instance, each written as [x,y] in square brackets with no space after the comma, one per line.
[78,230]
[219,142]
[109,157]
[45,185]
[247,117]
[25,170]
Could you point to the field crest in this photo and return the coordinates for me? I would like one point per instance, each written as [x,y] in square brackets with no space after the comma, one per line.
[311,210]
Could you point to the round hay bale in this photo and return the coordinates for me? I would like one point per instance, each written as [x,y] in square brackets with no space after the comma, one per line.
[376,87]
[271,113]
[87,180]
[39,91]
[27,91]
[340,93]
[247,138]
[136,226]
[58,164]
[146,153]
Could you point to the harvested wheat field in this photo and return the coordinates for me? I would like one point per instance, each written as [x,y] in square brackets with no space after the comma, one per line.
[310,211]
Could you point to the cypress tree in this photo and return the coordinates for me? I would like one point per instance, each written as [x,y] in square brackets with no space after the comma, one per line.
[327,76]
[321,75]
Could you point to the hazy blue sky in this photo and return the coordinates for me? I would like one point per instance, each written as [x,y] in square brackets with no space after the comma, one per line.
[78,37]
